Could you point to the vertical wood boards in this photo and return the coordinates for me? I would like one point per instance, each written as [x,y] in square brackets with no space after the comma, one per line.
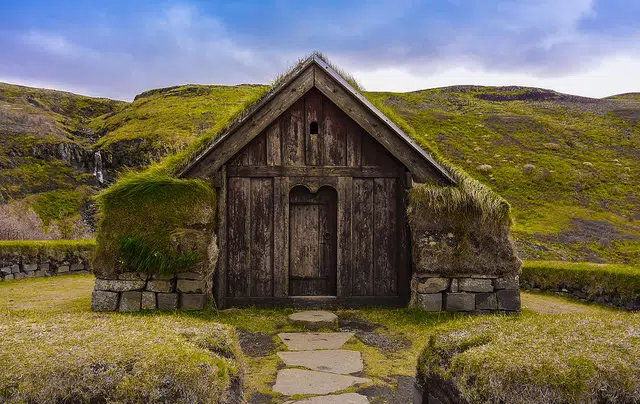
[292,135]
[221,273]
[385,231]
[363,243]
[238,237]
[335,125]
[313,142]
[281,237]
[274,146]
[261,270]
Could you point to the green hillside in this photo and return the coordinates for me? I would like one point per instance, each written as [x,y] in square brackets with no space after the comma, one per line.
[570,166]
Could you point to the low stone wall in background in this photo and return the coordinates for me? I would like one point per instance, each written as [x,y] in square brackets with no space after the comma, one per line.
[466,293]
[134,291]
[16,267]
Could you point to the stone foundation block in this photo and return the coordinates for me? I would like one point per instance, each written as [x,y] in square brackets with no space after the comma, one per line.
[130,301]
[163,277]
[190,286]
[29,267]
[460,302]
[486,301]
[63,268]
[433,285]
[114,285]
[189,275]
[160,286]
[44,266]
[39,274]
[30,274]
[148,301]
[15,268]
[5,270]
[132,276]
[167,301]
[475,285]
[18,276]
[77,267]
[104,301]
[192,301]
[508,282]
[430,301]
[509,300]
[454,286]
[9,277]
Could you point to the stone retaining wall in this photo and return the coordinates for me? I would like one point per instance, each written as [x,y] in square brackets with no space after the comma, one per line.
[134,291]
[466,293]
[16,267]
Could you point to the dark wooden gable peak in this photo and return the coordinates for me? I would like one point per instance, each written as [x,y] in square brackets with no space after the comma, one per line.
[314,72]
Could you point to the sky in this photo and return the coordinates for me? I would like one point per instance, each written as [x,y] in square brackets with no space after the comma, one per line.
[120,48]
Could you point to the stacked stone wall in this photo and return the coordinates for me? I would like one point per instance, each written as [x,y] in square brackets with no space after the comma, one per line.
[134,291]
[17,266]
[466,293]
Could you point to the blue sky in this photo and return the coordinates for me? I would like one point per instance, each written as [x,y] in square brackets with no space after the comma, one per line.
[119,48]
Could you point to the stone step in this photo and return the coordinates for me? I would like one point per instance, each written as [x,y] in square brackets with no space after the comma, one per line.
[298,381]
[347,398]
[314,319]
[332,361]
[310,341]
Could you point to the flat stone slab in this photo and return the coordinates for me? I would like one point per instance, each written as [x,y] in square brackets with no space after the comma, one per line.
[309,341]
[314,319]
[299,381]
[347,398]
[333,361]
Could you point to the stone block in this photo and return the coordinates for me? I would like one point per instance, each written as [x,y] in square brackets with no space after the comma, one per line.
[114,285]
[29,267]
[30,274]
[167,301]
[104,301]
[475,285]
[314,319]
[160,286]
[45,266]
[455,287]
[430,301]
[5,270]
[130,301]
[39,274]
[77,267]
[509,300]
[9,277]
[486,301]
[15,268]
[433,285]
[189,275]
[192,301]
[507,282]
[18,276]
[63,268]
[132,276]
[460,302]
[189,286]
[148,301]
[163,277]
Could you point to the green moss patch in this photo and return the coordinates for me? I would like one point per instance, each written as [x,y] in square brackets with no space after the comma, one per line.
[86,357]
[51,248]
[536,359]
[155,223]
[620,282]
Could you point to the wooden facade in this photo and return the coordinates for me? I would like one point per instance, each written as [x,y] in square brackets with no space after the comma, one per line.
[312,199]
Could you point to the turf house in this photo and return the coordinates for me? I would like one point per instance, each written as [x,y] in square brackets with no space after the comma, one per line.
[309,196]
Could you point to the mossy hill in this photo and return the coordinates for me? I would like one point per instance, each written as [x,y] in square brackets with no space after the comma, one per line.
[570,166]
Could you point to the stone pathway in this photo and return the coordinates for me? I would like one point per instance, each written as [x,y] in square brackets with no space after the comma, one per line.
[327,368]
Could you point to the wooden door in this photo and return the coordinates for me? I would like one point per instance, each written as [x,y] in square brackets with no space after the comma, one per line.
[312,242]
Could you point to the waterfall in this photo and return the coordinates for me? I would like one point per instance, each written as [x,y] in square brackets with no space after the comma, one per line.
[97,167]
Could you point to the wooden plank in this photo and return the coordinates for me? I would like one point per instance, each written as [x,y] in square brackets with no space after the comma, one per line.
[274,146]
[335,124]
[323,172]
[292,135]
[304,249]
[404,245]
[313,113]
[261,271]
[363,116]
[363,237]
[257,151]
[280,233]
[221,273]
[344,264]
[233,141]
[238,237]
[375,155]
[385,230]
[354,144]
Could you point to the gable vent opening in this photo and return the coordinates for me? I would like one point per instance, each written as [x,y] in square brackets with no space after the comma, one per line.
[313,128]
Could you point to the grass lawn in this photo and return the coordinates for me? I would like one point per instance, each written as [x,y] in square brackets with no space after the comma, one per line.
[49,318]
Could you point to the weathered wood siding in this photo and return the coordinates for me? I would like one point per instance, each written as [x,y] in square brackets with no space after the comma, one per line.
[315,213]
